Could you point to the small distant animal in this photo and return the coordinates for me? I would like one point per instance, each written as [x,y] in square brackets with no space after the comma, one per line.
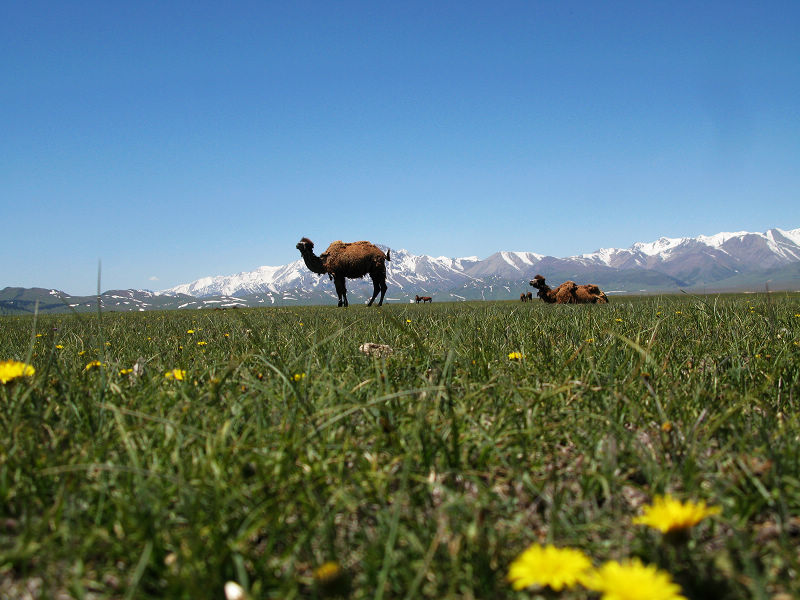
[348,261]
[423,299]
[569,292]
[526,297]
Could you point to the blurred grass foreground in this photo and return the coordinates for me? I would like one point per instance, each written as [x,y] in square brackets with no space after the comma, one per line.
[274,453]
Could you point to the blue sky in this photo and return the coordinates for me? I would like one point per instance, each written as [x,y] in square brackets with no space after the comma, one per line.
[175,140]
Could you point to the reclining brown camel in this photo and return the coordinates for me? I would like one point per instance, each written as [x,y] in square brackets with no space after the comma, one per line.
[423,299]
[569,293]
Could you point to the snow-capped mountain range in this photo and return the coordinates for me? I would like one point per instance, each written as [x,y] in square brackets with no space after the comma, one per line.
[739,261]
[723,260]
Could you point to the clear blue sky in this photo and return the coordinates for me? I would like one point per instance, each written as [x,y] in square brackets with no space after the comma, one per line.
[175,140]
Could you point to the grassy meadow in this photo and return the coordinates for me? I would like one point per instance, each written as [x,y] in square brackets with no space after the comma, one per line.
[277,447]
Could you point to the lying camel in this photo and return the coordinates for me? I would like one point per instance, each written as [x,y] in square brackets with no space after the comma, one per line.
[569,293]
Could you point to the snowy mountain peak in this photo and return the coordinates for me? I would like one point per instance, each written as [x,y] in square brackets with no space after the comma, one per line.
[680,260]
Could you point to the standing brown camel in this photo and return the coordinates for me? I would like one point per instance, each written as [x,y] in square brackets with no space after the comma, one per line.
[569,293]
[423,299]
[348,261]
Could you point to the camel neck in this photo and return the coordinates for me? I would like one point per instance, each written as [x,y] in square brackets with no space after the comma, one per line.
[314,263]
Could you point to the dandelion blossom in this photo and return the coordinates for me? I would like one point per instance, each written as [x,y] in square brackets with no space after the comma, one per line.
[632,580]
[125,371]
[668,514]
[515,356]
[618,320]
[202,343]
[12,369]
[59,347]
[549,566]
[190,331]
[298,376]
[177,374]
[327,571]
[95,364]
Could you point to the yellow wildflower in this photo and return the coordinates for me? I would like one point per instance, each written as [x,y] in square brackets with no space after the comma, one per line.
[94,365]
[618,320]
[190,331]
[125,371]
[668,514]
[632,580]
[38,335]
[332,580]
[327,571]
[678,312]
[298,376]
[589,340]
[12,369]
[82,352]
[666,427]
[515,356]
[202,343]
[178,374]
[549,566]
[59,347]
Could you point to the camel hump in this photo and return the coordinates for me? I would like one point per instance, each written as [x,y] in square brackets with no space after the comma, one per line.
[593,289]
[388,250]
[570,284]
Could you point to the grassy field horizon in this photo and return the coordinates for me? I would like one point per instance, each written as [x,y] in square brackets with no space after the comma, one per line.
[163,454]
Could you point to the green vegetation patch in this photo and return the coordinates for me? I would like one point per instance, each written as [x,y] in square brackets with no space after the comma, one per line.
[163,454]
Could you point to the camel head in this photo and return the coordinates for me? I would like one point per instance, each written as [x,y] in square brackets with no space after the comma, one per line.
[538,282]
[305,245]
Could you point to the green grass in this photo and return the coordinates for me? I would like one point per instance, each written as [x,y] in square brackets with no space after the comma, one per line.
[423,474]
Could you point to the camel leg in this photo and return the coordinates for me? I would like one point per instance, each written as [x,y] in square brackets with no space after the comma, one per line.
[341,290]
[375,289]
[378,285]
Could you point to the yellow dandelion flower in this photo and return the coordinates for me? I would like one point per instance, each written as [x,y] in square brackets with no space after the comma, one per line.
[327,571]
[797,315]
[515,356]
[190,331]
[82,352]
[95,364]
[298,376]
[666,427]
[618,320]
[678,312]
[301,323]
[556,568]
[38,335]
[658,314]
[59,347]
[177,374]
[668,514]
[589,340]
[408,320]
[108,343]
[632,580]
[227,334]
[13,369]
[125,371]
[202,343]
